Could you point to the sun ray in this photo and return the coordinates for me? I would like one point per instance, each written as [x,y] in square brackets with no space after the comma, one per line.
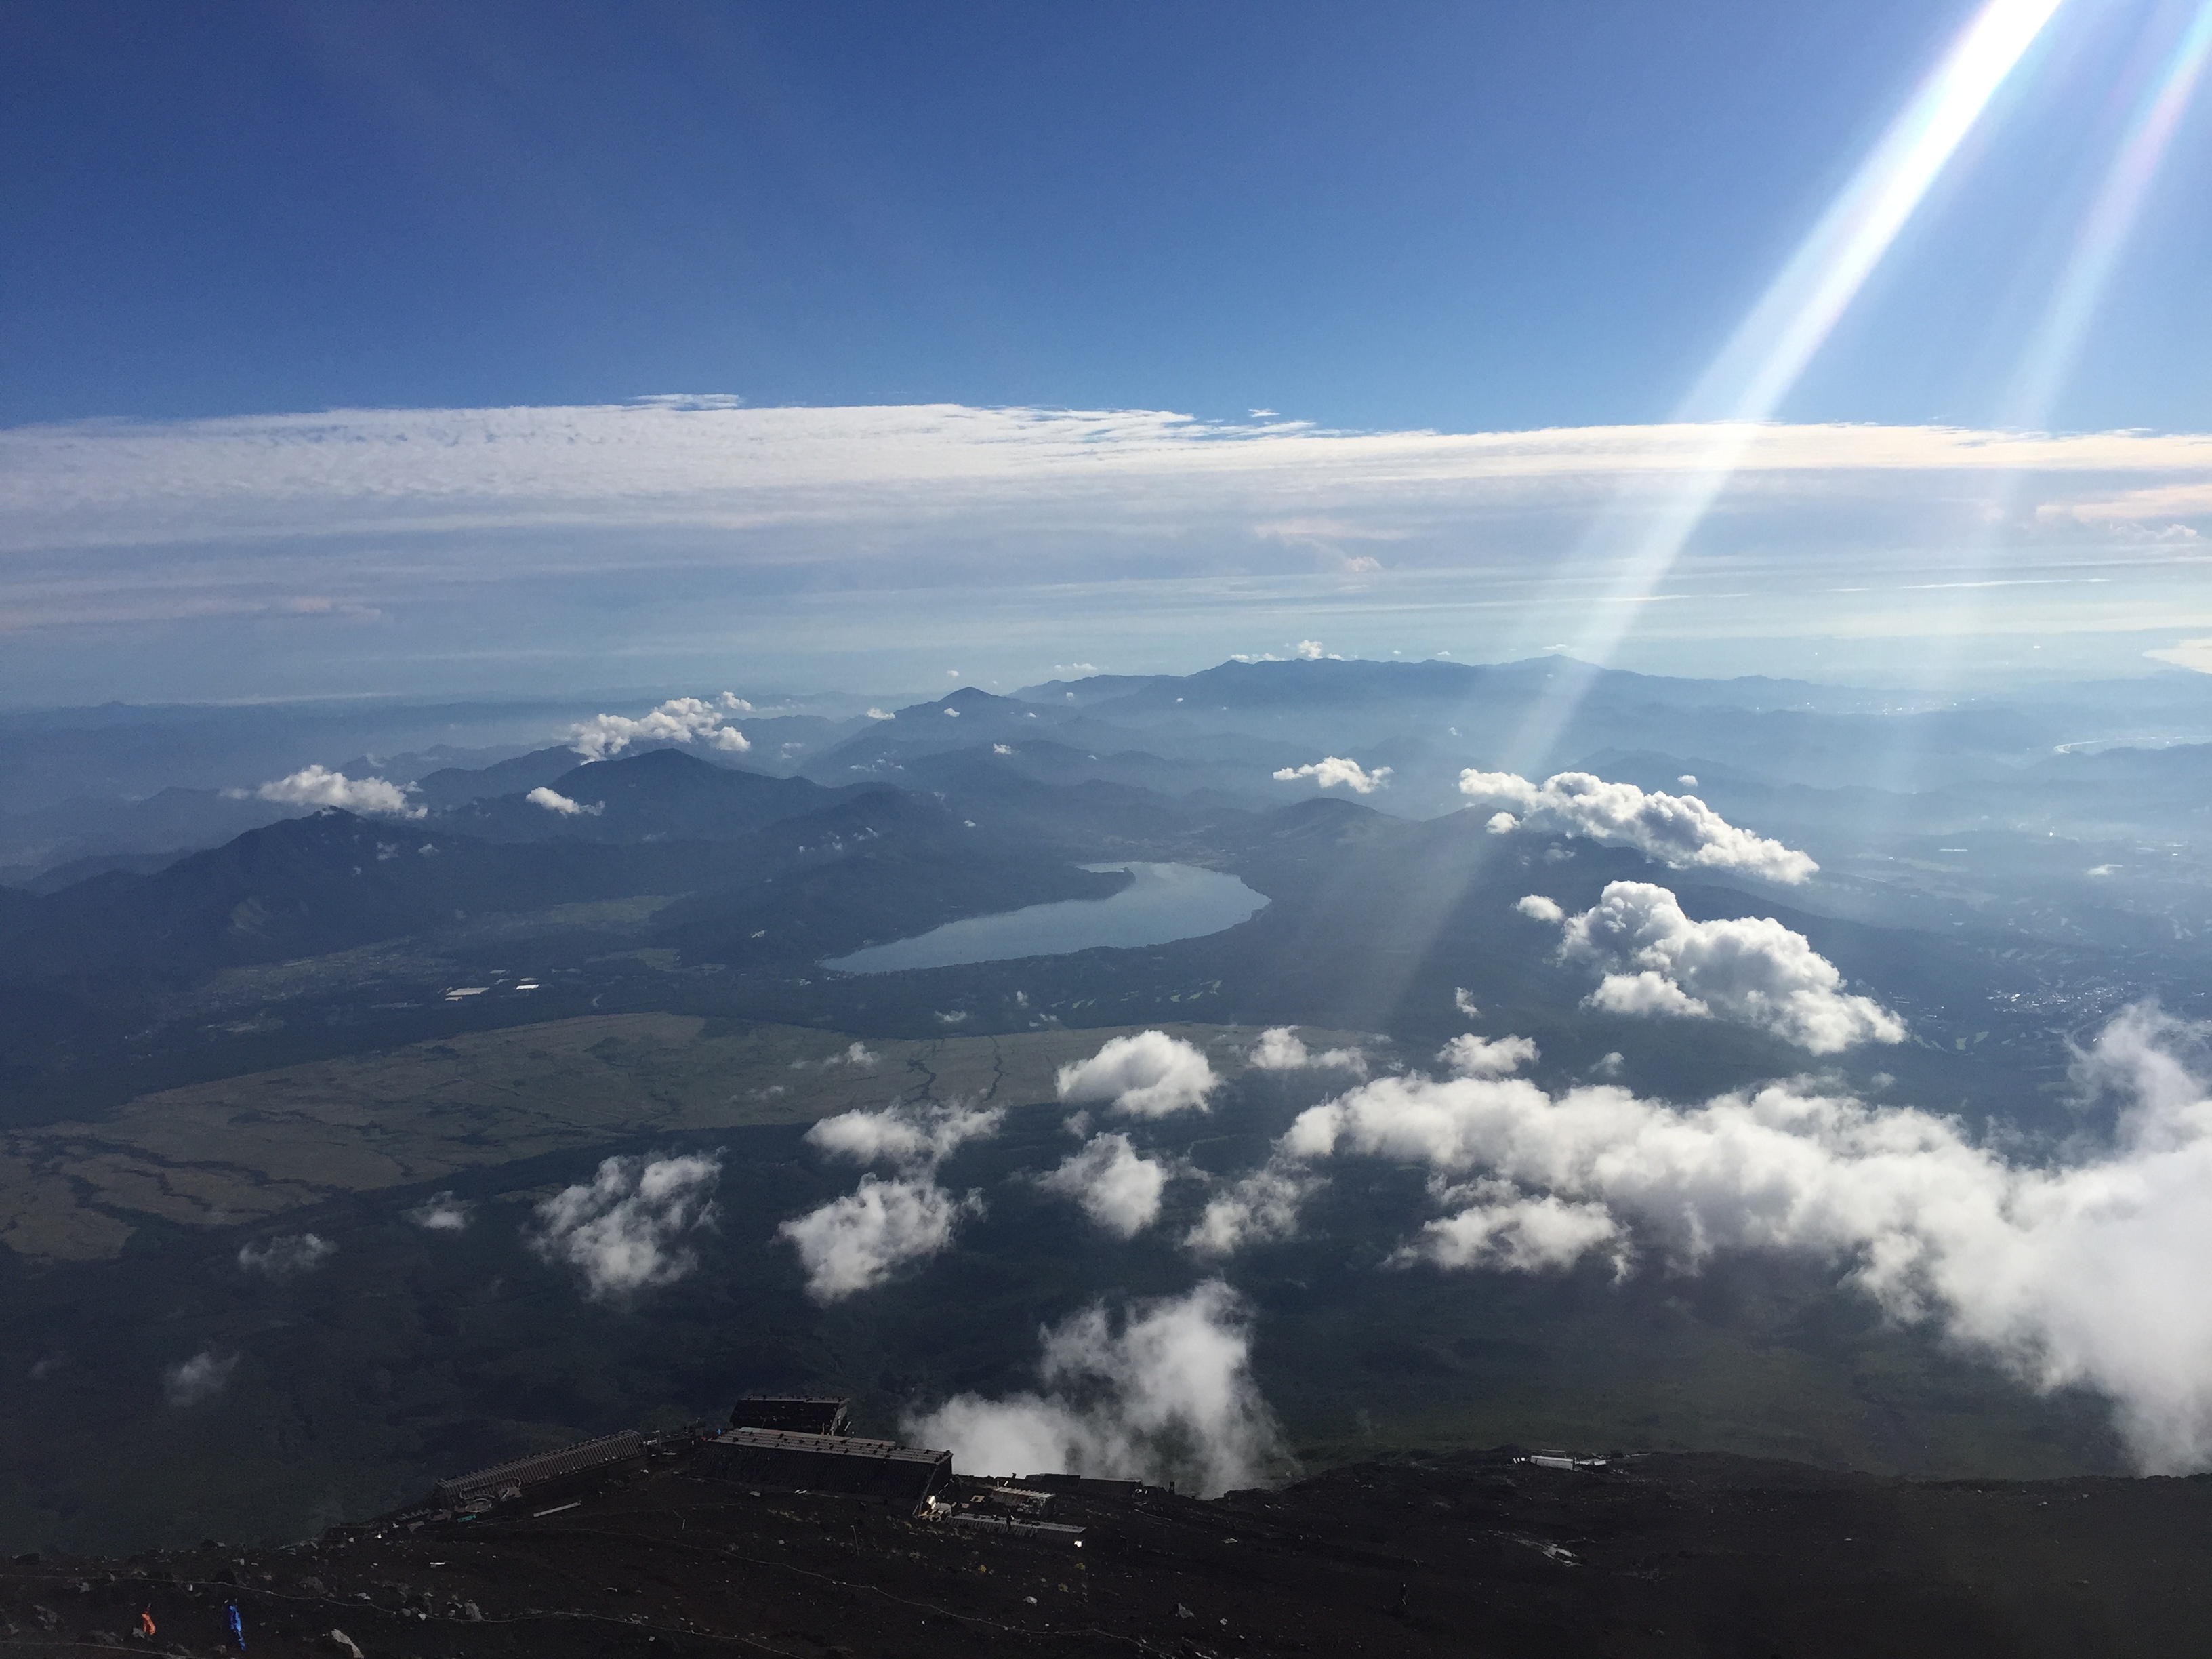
[2057,341]
[1638,544]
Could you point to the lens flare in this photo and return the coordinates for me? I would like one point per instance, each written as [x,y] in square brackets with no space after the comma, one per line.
[1770,351]
[1763,359]
[2057,339]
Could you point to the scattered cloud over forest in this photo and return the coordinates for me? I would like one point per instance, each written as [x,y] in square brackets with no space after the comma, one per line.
[2077,1272]
[318,786]
[1116,1186]
[286,1255]
[1335,769]
[1149,1074]
[1747,970]
[1680,831]
[855,1243]
[623,1231]
[1167,1396]
[680,720]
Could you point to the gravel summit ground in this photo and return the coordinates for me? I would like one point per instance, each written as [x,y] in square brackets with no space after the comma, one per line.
[1471,1553]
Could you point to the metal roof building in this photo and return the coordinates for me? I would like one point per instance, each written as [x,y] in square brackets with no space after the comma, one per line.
[523,1473]
[794,1414]
[772,1459]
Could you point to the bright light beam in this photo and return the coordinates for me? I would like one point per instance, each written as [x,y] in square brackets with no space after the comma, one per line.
[1757,367]
[2056,343]
[1770,349]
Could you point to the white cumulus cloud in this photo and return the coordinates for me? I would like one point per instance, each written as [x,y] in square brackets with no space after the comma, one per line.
[1253,1209]
[1750,971]
[554,801]
[441,1213]
[318,786]
[855,1243]
[622,1230]
[1281,1050]
[2083,1271]
[201,1378]
[1168,1396]
[1680,831]
[1334,769]
[1150,1074]
[1117,1187]
[680,720]
[285,1255]
[1470,1055]
[910,1136]
[1500,1226]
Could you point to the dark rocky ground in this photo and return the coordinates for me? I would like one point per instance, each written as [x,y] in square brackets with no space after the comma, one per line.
[1468,1553]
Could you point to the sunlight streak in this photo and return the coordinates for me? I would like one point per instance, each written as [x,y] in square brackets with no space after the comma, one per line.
[2057,340]
[1770,350]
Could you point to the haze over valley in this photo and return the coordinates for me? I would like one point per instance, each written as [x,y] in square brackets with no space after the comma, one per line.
[1519,1073]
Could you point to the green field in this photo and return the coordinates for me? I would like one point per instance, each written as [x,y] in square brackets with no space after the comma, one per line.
[248,1148]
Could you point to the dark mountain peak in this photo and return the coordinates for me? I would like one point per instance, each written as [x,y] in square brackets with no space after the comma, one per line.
[659,794]
[451,786]
[1094,688]
[656,764]
[967,701]
[1327,816]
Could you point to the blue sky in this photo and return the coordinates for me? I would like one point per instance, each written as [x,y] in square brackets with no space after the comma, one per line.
[1465,218]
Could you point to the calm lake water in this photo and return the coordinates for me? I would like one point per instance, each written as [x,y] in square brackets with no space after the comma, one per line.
[1166,901]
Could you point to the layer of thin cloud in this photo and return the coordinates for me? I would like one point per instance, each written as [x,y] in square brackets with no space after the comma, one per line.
[1747,970]
[285,1256]
[1281,1050]
[1149,1074]
[330,513]
[1680,831]
[1170,1396]
[680,720]
[318,786]
[2195,655]
[2078,1273]
[554,801]
[1116,1186]
[1332,770]
[623,1229]
[365,470]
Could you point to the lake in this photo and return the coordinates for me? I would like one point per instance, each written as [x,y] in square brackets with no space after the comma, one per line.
[1166,901]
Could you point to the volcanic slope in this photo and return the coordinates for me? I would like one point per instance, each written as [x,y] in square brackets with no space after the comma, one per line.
[1476,1553]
